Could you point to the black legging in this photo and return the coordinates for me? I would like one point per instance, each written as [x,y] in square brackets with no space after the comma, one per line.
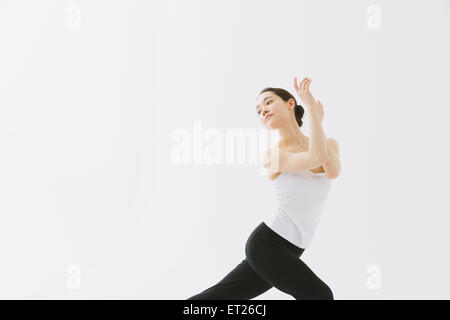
[271,261]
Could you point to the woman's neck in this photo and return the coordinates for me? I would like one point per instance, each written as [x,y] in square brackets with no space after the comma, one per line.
[292,136]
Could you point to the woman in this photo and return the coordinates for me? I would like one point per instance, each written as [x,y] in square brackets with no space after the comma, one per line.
[301,170]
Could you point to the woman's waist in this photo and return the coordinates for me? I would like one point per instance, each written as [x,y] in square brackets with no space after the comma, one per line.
[300,210]
[300,205]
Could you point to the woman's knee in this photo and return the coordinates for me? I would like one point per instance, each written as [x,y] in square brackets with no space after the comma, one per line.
[327,294]
[324,293]
[318,292]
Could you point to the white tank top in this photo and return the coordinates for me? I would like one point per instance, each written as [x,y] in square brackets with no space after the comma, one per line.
[300,200]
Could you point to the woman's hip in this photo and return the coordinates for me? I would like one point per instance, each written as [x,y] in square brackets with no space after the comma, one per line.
[263,238]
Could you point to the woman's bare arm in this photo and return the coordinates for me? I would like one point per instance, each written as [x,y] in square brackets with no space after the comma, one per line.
[332,167]
[318,140]
[277,160]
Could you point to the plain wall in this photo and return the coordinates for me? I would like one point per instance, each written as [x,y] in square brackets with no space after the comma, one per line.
[94,205]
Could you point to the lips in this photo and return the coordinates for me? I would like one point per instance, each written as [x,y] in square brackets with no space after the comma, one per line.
[267,117]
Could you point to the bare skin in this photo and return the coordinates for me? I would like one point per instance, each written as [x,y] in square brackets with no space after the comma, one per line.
[294,147]
[319,169]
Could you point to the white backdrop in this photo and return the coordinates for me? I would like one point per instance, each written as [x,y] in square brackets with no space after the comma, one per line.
[94,93]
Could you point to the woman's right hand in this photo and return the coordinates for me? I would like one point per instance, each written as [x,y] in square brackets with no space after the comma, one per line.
[303,91]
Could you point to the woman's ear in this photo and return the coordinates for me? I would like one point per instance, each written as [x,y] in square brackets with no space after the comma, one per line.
[291,104]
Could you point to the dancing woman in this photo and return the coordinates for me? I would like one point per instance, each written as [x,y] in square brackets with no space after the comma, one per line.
[300,168]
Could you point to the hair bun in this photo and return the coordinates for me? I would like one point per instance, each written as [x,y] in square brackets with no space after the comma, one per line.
[299,111]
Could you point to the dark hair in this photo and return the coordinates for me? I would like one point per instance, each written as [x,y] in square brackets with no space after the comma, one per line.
[285,95]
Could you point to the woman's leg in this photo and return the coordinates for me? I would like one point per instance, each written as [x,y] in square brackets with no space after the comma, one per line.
[241,283]
[278,262]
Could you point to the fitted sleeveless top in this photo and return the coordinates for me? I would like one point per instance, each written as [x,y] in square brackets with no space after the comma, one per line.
[300,199]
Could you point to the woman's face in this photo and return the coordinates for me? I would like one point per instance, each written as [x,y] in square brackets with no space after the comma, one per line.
[272,110]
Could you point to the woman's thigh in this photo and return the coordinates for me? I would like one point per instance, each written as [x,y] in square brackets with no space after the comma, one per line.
[241,283]
[278,262]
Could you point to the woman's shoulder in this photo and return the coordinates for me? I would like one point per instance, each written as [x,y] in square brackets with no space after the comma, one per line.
[273,150]
[268,155]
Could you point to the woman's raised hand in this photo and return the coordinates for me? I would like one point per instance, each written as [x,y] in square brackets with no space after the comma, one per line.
[303,91]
